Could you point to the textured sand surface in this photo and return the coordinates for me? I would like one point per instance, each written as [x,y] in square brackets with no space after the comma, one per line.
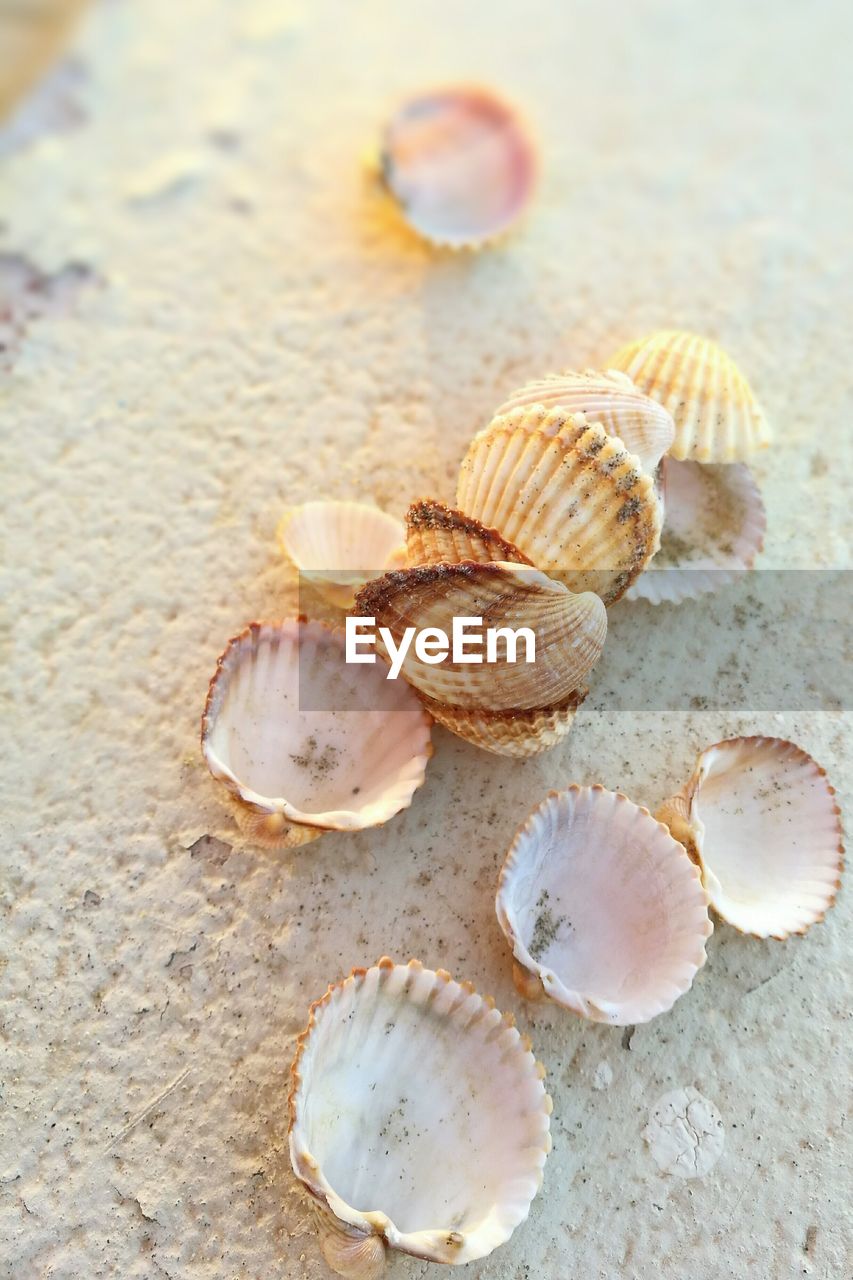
[220,319]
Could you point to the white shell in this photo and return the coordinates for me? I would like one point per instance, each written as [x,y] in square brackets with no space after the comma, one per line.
[418,1114]
[604,911]
[760,818]
[459,164]
[714,524]
[644,426]
[305,742]
[338,546]
[716,413]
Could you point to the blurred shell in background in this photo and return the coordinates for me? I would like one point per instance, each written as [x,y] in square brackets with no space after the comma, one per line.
[33,34]
[460,165]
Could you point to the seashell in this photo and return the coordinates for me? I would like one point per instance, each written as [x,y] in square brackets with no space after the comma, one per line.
[604,912]
[717,416]
[306,743]
[760,819]
[338,546]
[347,1251]
[418,1118]
[436,534]
[713,529]
[569,631]
[644,426]
[566,494]
[459,164]
[519,734]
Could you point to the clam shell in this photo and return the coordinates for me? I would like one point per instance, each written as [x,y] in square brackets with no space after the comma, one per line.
[417,1115]
[760,819]
[565,493]
[338,546]
[460,165]
[519,734]
[569,631]
[644,426]
[304,742]
[714,523]
[603,910]
[436,534]
[717,416]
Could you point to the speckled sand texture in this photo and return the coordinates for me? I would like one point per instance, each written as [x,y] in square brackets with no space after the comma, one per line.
[223,319]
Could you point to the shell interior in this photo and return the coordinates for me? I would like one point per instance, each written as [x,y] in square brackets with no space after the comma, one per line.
[418,1112]
[291,728]
[713,530]
[460,165]
[519,734]
[604,906]
[768,833]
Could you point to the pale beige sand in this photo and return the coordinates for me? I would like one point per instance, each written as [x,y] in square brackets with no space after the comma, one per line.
[252,331]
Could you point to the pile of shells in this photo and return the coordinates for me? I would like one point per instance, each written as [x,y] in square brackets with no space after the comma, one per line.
[555,517]
[560,504]
[579,483]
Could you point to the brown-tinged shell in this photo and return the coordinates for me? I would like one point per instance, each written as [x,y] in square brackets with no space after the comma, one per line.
[519,734]
[566,494]
[716,413]
[436,534]
[569,631]
[760,819]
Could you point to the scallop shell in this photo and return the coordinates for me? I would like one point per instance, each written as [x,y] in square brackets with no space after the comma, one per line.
[565,493]
[644,426]
[460,165]
[306,743]
[519,734]
[713,530]
[717,416]
[418,1118]
[338,546]
[604,912]
[436,534]
[760,819]
[569,631]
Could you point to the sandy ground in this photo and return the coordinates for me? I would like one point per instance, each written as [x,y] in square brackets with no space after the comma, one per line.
[209,314]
